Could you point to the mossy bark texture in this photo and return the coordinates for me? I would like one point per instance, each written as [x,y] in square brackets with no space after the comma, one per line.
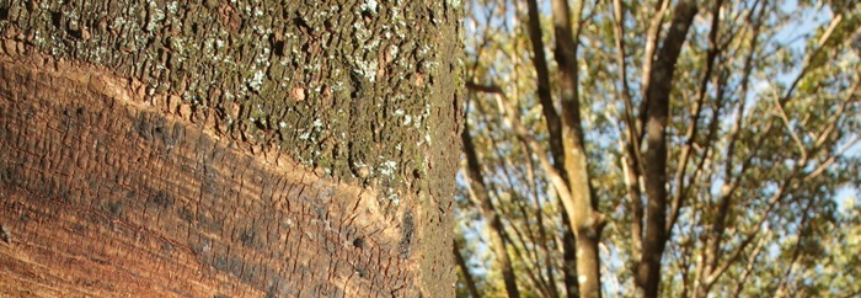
[228,148]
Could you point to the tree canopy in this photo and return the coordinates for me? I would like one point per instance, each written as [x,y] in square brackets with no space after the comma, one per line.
[661,148]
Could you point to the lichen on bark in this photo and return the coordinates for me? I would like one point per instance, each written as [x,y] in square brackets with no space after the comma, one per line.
[338,85]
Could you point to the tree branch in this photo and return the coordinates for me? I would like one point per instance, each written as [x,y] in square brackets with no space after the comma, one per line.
[633,162]
[467,276]
[691,134]
[652,38]
[486,206]
[658,97]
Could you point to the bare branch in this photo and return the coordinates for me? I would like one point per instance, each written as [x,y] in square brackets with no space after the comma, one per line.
[751,261]
[489,212]
[523,134]
[468,280]
[808,59]
[745,83]
[782,114]
[691,134]
[633,161]
[530,272]
[539,61]
[796,252]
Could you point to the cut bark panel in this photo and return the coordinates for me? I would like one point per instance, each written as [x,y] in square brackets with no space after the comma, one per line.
[103,195]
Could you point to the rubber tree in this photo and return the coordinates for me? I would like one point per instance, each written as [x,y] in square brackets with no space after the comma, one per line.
[228,148]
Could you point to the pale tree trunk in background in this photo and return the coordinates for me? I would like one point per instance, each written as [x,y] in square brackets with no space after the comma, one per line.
[568,144]
[279,149]
[583,213]
[554,128]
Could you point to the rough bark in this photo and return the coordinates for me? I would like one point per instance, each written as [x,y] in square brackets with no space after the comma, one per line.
[172,148]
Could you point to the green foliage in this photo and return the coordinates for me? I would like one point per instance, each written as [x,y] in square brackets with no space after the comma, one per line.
[771,132]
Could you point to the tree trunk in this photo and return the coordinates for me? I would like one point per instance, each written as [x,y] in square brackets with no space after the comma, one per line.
[648,276]
[165,149]
[554,129]
[583,213]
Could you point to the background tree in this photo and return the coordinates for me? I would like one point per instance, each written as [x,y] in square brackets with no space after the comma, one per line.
[720,144]
[228,148]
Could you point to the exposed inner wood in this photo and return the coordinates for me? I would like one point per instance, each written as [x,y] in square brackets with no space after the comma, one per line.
[104,195]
